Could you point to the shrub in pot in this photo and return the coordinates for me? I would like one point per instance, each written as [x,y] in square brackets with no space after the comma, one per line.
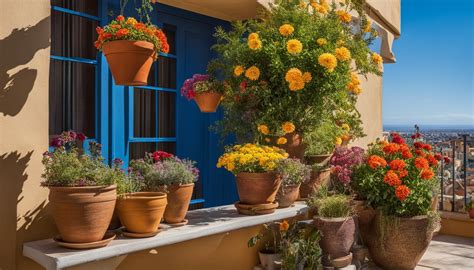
[205,90]
[292,173]
[300,249]
[131,47]
[82,189]
[398,180]
[255,167]
[166,172]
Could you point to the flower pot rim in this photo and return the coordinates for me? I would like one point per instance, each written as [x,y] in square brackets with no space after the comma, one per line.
[181,185]
[130,41]
[333,219]
[60,188]
[145,195]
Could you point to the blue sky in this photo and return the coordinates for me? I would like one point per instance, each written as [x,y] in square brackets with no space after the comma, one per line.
[432,81]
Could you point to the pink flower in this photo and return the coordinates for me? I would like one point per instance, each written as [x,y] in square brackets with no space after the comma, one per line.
[81,137]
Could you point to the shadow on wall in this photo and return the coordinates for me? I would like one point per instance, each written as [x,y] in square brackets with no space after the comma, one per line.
[18,49]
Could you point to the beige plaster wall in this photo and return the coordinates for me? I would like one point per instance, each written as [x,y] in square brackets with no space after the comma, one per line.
[24,67]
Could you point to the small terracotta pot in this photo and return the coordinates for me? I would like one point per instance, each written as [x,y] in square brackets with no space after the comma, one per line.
[179,197]
[141,212]
[316,180]
[317,159]
[337,238]
[129,61]
[82,214]
[287,195]
[401,245]
[294,146]
[269,260]
[208,101]
[257,188]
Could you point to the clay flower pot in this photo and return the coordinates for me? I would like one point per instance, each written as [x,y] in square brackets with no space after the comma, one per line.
[141,212]
[257,188]
[208,101]
[365,216]
[129,61]
[316,180]
[400,245]
[179,197]
[269,260]
[337,237]
[317,159]
[287,195]
[82,214]
[294,146]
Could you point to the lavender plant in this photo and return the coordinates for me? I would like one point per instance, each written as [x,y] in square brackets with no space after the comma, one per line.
[293,172]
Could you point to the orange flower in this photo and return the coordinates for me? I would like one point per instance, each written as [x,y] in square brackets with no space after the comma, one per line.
[391,148]
[407,154]
[432,160]
[122,32]
[419,152]
[402,192]
[139,26]
[392,179]
[421,163]
[284,226]
[403,174]
[397,164]
[116,26]
[427,174]
[427,147]
[120,18]
[376,161]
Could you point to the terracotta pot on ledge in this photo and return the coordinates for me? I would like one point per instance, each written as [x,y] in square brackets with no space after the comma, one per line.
[179,197]
[257,188]
[294,146]
[287,195]
[208,101]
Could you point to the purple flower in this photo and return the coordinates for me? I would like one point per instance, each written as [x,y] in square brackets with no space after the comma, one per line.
[188,86]
[118,162]
[57,142]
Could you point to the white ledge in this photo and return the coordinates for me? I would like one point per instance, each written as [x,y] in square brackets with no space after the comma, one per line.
[202,222]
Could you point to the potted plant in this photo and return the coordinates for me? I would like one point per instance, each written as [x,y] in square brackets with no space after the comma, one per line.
[205,90]
[82,191]
[163,171]
[131,46]
[336,223]
[272,62]
[292,173]
[398,179]
[140,210]
[300,249]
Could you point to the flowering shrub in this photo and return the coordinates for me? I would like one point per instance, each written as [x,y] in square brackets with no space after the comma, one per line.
[68,166]
[343,161]
[201,84]
[251,158]
[293,172]
[293,65]
[130,29]
[398,178]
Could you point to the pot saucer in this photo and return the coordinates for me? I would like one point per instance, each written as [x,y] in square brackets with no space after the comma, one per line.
[139,235]
[256,209]
[108,237]
[179,224]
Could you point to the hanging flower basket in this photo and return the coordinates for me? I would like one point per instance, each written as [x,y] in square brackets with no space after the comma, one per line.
[205,90]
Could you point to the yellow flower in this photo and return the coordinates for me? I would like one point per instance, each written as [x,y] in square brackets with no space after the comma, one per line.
[281,140]
[343,54]
[344,16]
[323,9]
[131,20]
[293,74]
[357,90]
[288,127]
[328,61]
[297,84]
[294,46]
[307,77]
[346,127]
[253,36]
[230,166]
[255,44]
[238,70]
[368,26]
[322,41]
[286,29]
[284,226]
[263,129]
[376,58]
[338,141]
[253,73]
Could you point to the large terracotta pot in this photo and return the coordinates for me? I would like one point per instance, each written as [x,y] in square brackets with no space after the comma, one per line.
[400,245]
[316,180]
[365,216]
[257,188]
[294,146]
[317,159]
[208,102]
[179,197]
[337,237]
[82,214]
[129,61]
[141,212]
[287,195]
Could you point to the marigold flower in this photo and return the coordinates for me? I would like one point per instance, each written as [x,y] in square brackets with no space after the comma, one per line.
[427,174]
[319,8]
[288,127]
[402,192]
[337,141]
[281,140]
[254,44]
[294,46]
[344,16]
[391,148]
[263,129]
[375,161]
[343,54]
[346,127]
[321,41]
[368,26]
[307,77]
[122,32]
[402,174]
[293,74]
[286,30]
[297,84]
[238,70]
[376,58]
[418,145]
[432,160]
[397,139]
[253,36]
[284,226]
[427,147]
[120,18]
[392,179]
[397,164]
[131,20]
[421,163]
[328,61]
[253,73]
[407,154]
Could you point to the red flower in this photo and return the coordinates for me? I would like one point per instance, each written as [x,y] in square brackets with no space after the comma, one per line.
[427,147]
[438,156]
[419,152]
[392,179]
[391,148]
[421,163]
[402,192]
[403,173]
[81,137]
[397,164]
[432,160]
[375,161]
[122,32]
[407,154]
[413,136]
[120,18]
[139,26]
[418,145]
[447,160]
[427,174]
[160,155]
[397,139]
[243,86]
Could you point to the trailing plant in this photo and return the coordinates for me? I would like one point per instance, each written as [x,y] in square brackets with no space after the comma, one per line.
[68,166]
[200,83]
[293,172]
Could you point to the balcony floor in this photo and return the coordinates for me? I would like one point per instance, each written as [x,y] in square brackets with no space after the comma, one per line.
[448,252]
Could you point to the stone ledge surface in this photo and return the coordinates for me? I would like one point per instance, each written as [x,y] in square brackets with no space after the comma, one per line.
[202,222]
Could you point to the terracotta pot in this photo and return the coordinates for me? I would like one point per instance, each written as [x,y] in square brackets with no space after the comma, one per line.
[471,213]
[342,262]
[82,214]
[256,209]
[129,61]
[295,147]
[141,212]
[269,260]
[115,222]
[365,216]
[208,102]
[317,159]
[287,195]
[337,237]
[400,245]
[317,179]
[257,188]
[179,197]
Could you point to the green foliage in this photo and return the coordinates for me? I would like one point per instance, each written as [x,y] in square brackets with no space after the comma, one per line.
[301,250]
[335,206]
[211,85]
[293,172]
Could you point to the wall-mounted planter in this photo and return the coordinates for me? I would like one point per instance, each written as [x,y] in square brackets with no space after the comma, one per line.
[208,101]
